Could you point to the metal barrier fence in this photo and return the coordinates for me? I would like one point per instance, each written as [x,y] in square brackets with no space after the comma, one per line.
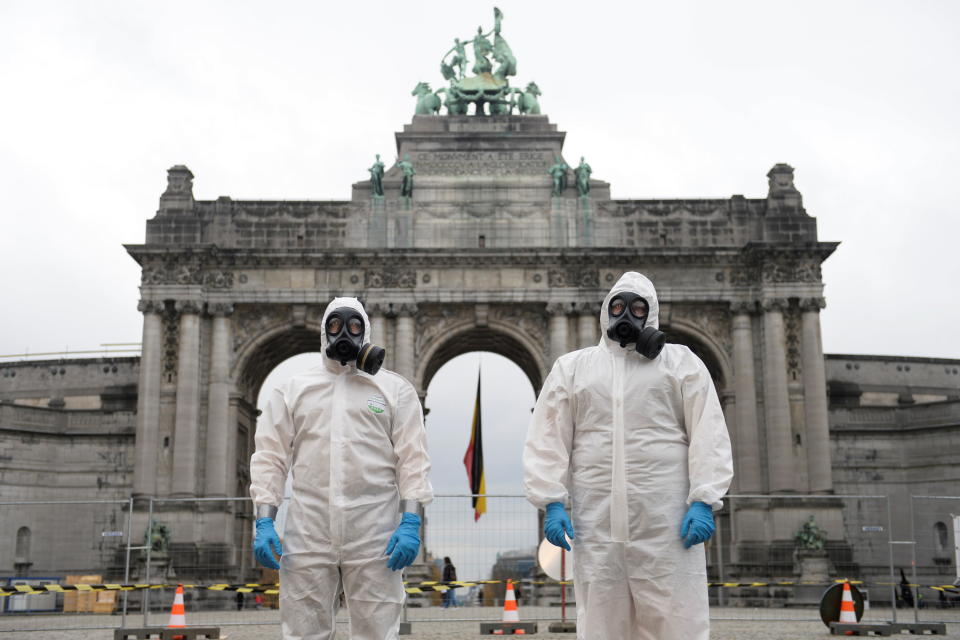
[934,557]
[867,539]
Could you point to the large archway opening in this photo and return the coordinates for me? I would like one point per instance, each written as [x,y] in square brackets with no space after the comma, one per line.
[508,342]
[508,531]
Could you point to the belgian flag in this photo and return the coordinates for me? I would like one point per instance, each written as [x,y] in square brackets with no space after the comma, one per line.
[473,460]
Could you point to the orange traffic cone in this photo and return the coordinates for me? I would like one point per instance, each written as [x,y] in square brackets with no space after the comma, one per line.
[510,613]
[178,616]
[847,613]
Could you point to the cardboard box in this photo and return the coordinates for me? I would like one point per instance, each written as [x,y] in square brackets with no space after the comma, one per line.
[80,601]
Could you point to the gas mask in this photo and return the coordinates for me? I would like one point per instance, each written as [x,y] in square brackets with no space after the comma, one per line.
[344,331]
[628,315]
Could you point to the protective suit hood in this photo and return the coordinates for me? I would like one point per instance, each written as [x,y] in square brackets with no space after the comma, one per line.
[336,303]
[630,282]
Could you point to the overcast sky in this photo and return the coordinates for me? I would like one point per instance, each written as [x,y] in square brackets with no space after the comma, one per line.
[665,100]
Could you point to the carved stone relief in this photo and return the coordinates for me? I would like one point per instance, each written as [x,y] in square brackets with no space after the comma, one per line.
[180,273]
[254,319]
[531,322]
[171,342]
[435,320]
[582,277]
[390,279]
[712,320]
[791,323]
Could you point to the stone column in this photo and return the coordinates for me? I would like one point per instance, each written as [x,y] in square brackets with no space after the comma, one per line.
[588,322]
[185,440]
[405,335]
[219,429]
[148,400]
[815,398]
[557,329]
[745,388]
[776,398]
[378,334]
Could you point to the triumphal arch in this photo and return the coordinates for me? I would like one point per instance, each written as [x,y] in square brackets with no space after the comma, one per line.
[482,236]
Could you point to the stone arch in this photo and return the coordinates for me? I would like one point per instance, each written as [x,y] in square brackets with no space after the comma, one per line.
[261,354]
[496,337]
[706,346]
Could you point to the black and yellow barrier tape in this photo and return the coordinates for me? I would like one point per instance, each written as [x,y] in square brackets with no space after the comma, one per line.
[419,587]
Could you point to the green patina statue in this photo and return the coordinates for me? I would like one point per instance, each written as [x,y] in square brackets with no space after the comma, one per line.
[486,86]
[406,185]
[376,178]
[501,50]
[582,173]
[428,102]
[157,537]
[559,174]
[810,536]
[528,103]
[458,62]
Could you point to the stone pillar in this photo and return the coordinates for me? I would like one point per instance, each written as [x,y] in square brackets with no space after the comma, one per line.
[219,429]
[745,387]
[405,335]
[588,322]
[557,330]
[776,399]
[378,325]
[148,400]
[815,398]
[185,440]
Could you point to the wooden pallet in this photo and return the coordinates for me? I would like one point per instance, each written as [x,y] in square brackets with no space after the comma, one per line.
[920,628]
[507,628]
[861,629]
[163,633]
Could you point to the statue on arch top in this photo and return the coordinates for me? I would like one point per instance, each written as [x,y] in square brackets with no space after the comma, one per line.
[376,178]
[501,50]
[582,174]
[559,174]
[406,185]
[486,86]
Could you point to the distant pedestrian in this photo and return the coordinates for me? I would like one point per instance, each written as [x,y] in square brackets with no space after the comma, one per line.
[516,592]
[239,601]
[258,601]
[449,575]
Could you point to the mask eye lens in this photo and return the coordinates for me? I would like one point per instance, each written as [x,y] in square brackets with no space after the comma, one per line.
[355,326]
[638,308]
[334,324]
[617,307]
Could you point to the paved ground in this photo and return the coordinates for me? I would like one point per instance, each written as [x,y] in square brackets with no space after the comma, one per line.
[728,624]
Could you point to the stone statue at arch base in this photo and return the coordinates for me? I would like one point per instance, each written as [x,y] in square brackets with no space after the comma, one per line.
[812,565]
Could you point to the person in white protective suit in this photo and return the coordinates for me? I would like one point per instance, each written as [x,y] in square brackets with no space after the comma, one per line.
[632,432]
[352,437]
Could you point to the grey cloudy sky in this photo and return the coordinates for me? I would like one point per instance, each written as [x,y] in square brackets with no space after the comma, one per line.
[665,99]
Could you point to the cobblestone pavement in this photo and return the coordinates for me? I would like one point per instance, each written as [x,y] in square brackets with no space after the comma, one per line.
[727,624]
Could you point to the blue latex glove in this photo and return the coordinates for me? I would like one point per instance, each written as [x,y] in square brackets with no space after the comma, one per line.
[557,525]
[266,542]
[404,543]
[697,525]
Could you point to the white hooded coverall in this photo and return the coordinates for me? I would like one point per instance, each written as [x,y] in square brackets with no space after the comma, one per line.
[632,442]
[355,446]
